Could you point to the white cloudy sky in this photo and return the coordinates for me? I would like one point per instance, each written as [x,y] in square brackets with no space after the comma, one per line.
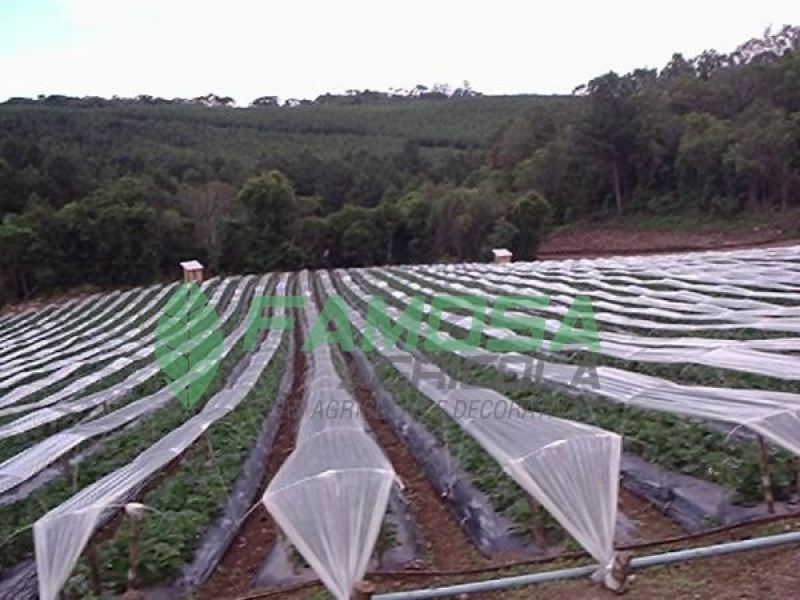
[302,48]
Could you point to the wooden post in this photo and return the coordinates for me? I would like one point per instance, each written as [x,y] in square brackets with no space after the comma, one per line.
[66,469]
[380,547]
[135,513]
[794,488]
[94,569]
[363,590]
[537,519]
[766,480]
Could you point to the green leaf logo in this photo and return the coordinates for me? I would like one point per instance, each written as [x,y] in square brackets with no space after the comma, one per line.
[188,343]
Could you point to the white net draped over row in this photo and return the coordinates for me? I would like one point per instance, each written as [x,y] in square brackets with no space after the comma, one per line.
[61,535]
[138,349]
[31,461]
[708,352]
[114,337]
[571,468]
[775,415]
[331,495]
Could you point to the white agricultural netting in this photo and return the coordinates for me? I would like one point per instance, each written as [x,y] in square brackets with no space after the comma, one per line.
[96,313]
[331,494]
[763,273]
[113,335]
[36,327]
[726,354]
[130,350]
[571,468]
[564,288]
[28,463]
[775,415]
[617,315]
[47,317]
[14,325]
[38,351]
[61,535]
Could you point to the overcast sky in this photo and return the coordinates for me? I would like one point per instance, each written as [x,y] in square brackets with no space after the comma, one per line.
[303,48]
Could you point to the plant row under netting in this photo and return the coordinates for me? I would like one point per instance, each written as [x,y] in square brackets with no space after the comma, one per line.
[682,401]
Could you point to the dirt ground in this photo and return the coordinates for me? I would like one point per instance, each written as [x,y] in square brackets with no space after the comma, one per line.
[761,574]
[586,240]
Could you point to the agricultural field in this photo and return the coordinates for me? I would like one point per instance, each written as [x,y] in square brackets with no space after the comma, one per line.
[316,434]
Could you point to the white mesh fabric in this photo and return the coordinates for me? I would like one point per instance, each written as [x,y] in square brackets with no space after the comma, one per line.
[571,468]
[29,462]
[758,410]
[331,494]
[61,535]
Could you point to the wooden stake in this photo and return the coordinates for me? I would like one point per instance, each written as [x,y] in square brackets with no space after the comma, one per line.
[797,481]
[135,513]
[66,469]
[363,590]
[537,518]
[766,480]
[94,569]
[380,548]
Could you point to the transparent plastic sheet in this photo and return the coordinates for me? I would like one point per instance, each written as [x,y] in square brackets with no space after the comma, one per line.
[61,535]
[480,284]
[571,468]
[125,352]
[114,335]
[775,415]
[33,460]
[36,324]
[708,351]
[331,495]
[692,277]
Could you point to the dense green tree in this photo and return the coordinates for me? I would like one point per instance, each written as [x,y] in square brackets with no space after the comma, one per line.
[531,215]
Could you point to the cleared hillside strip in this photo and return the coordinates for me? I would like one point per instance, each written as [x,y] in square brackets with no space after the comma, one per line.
[61,535]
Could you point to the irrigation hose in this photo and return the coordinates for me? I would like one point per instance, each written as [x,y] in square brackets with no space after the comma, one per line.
[412,573]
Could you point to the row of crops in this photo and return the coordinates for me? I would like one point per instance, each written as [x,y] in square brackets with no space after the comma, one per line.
[521,390]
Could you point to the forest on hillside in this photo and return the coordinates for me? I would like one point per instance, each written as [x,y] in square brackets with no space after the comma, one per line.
[116,192]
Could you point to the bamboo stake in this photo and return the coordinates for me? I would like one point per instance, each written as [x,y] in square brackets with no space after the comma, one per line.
[363,590]
[94,569]
[537,518]
[135,513]
[766,480]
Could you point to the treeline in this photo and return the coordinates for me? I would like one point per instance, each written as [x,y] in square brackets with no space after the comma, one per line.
[715,134]
[117,194]
[438,91]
